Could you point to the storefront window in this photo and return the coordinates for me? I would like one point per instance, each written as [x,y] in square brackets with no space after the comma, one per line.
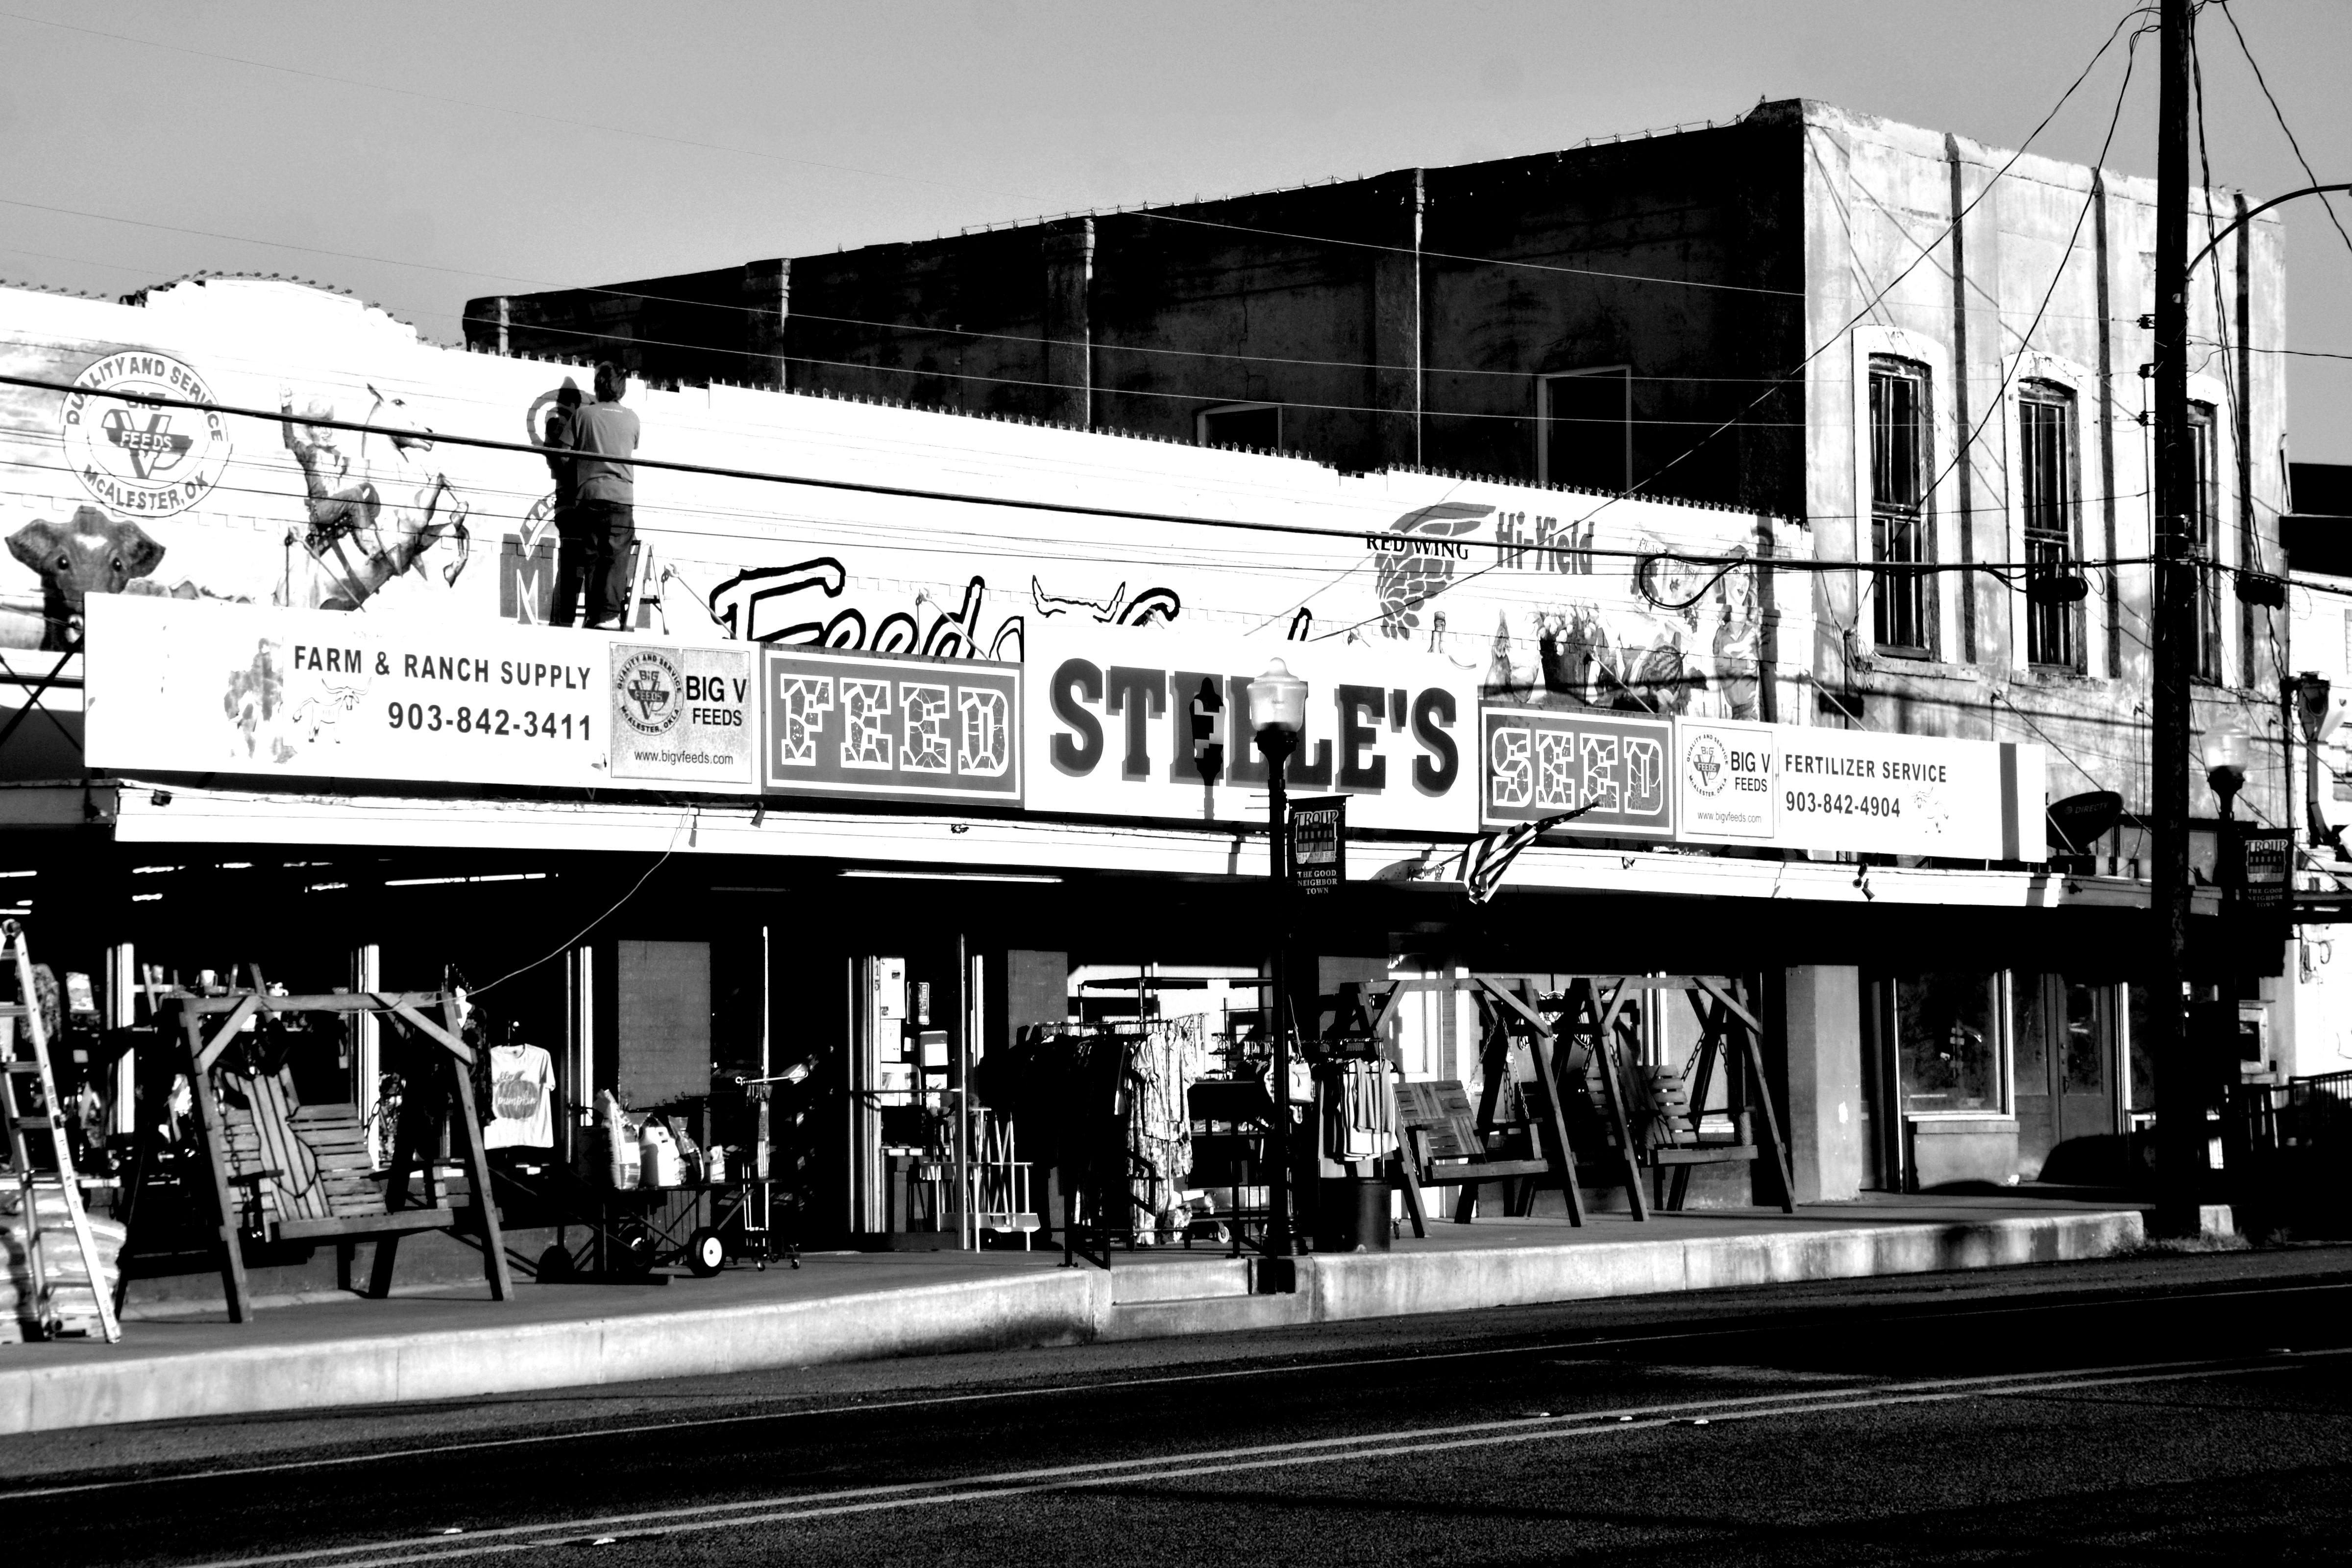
[2085,1063]
[2141,1028]
[1947,1041]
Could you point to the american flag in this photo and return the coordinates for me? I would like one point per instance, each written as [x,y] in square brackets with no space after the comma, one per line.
[1485,860]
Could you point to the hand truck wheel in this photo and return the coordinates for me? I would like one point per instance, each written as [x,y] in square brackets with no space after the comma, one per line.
[632,1247]
[706,1253]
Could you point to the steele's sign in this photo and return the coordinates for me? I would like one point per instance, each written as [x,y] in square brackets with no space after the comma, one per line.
[891,729]
[1116,727]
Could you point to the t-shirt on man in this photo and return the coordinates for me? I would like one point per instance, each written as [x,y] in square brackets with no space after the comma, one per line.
[601,433]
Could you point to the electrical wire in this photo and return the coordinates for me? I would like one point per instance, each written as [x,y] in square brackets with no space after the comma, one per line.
[2280,115]
[574,941]
[1832,338]
[1162,216]
[1511,547]
[892,326]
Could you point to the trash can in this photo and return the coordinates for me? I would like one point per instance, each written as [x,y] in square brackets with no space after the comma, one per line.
[1352,1215]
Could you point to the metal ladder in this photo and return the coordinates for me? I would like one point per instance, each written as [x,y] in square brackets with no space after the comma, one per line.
[32,1184]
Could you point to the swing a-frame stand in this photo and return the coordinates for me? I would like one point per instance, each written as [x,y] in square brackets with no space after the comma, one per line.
[307,1169]
[1587,1090]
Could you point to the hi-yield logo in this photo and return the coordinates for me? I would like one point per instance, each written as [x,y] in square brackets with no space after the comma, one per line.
[152,448]
[136,458]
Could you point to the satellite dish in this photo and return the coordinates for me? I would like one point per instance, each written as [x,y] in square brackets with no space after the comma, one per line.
[2081,820]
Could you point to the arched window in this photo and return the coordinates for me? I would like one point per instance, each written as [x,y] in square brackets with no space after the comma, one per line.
[2205,541]
[2045,489]
[1902,529]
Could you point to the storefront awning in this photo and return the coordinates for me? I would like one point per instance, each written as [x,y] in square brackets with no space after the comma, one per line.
[171,813]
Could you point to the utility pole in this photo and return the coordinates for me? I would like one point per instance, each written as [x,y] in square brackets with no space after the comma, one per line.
[2180,1138]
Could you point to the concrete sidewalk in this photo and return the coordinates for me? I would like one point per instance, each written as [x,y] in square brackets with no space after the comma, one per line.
[842,1307]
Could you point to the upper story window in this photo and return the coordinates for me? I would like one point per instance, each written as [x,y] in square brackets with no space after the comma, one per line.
[1586,433]
[2045,488]
[1254,424]
[1900,526]
[2205,541]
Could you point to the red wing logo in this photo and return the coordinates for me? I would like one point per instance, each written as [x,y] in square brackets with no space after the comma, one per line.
[1412,573]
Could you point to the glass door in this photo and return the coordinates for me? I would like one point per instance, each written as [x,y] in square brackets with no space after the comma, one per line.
[2065,1032]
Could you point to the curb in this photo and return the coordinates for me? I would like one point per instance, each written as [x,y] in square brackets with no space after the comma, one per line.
[1138,1301]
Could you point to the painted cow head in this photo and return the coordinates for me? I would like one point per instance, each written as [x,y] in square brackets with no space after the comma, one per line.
[92,553]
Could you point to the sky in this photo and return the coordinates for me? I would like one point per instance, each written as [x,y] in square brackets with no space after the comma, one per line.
[420,154]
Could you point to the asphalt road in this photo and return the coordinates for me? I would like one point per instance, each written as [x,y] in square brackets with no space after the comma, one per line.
[2156,1409]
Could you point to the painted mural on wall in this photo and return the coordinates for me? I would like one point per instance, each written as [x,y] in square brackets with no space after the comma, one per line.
[336,485]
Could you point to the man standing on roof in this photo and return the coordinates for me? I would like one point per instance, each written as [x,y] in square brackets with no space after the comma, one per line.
[604,437]
[571,543]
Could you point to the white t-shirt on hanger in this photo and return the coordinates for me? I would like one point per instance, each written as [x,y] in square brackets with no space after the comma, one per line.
[522,1090]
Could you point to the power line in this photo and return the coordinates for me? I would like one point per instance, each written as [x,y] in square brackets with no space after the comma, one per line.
[1514,549]
[1158,216]
[1832,338]
[2280,115]
[2300,354]
[1161,216]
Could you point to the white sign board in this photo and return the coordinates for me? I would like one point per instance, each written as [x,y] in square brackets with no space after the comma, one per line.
[190,686]
[1110,727]
[1861,790]
[683,713]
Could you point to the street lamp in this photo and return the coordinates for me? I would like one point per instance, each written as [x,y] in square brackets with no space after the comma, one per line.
[2314,703]
[2226,752]
[1278,712]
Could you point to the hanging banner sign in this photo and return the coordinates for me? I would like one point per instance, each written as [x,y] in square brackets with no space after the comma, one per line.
[192,686]
[1116,727]
[2265,857]
[1540,763]
[891,729]
[1318,844]
[1861,790]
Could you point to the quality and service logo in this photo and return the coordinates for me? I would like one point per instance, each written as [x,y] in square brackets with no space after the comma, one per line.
[649,692]
[1708,764]
[136,458]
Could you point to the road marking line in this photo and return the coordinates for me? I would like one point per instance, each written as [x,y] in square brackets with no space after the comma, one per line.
[1226,1462]
[983,1395]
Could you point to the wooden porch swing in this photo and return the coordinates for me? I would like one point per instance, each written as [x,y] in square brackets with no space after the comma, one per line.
[1589,1091]
[304,1171]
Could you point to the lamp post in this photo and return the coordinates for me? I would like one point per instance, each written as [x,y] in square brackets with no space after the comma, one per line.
[1278,712]
[2312,701]
[2225,754]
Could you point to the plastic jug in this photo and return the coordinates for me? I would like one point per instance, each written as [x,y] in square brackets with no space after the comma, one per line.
[659,1162]
[623,1161]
